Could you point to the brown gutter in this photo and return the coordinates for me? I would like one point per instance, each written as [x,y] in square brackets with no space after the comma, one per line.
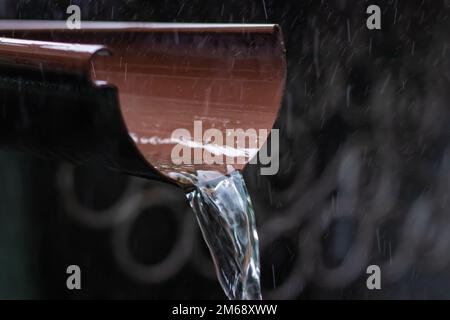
[167,76]
[95,26]
[45,55]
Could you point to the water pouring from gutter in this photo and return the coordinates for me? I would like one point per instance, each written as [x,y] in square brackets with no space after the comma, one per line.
[132,87]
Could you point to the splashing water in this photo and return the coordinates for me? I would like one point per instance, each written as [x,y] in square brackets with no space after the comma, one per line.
[225,215]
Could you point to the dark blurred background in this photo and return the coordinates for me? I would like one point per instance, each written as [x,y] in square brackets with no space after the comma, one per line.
[364,175]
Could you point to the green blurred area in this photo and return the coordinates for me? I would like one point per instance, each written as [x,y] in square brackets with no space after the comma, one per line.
[16,245]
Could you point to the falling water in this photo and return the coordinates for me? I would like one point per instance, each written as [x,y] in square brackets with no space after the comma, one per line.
[225,215]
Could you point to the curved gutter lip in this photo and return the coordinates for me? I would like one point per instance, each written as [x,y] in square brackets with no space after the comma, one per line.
[41,25]
[50,45]
[49,55]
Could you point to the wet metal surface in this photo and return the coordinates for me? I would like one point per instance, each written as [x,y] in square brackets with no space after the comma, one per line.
[170,75]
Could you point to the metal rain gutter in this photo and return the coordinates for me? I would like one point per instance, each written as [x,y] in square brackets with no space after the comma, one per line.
[112,93]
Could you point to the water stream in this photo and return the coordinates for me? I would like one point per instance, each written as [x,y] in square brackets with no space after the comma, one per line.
[224,212]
